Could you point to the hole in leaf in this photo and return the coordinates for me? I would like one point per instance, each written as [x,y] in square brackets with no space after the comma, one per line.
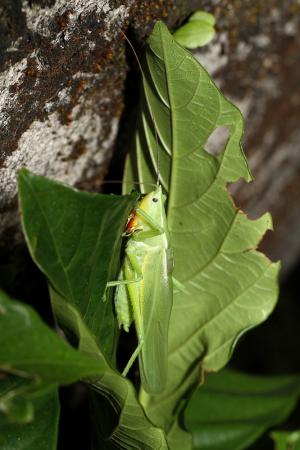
[216,142]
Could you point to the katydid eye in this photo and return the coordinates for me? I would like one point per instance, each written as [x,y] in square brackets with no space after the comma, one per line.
[155,200]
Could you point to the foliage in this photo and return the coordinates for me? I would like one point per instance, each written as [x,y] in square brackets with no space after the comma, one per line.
[197,32]
[225,285]
[286,440]
[40,433]
[75,238]
[231,410]
[229,286]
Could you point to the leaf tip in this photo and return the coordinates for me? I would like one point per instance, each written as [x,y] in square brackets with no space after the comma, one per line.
[268,221]
[23,173]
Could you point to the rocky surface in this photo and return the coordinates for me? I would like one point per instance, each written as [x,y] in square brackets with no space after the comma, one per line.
[63,86]
[62,80]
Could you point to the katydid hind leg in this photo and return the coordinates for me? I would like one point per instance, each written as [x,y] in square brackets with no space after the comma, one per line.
[123,306]
[131,267]
[126,305]
[133,357]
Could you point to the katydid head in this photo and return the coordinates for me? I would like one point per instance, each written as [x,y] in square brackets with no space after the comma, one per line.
[153,202]
[151,212]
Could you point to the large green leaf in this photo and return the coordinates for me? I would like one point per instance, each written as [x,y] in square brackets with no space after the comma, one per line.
[36,358]
[229,287]
[117,417]
[33,362]
[286,440]
[74,237]
[38,434]
[31,350]
[231,410]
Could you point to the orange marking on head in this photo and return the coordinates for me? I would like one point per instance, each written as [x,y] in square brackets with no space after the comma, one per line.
[131,223]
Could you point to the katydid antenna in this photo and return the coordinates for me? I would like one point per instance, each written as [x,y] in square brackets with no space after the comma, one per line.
[150,110]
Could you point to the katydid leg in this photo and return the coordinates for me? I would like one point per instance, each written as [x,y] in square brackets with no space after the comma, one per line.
[136,307]
[133,357]
[134,263]
[153,224]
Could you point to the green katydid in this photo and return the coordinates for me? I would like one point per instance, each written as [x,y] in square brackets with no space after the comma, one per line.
[144,291]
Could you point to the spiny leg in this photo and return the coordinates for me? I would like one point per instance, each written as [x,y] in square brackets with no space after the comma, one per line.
[135,303]
[133,357]
[135,265]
